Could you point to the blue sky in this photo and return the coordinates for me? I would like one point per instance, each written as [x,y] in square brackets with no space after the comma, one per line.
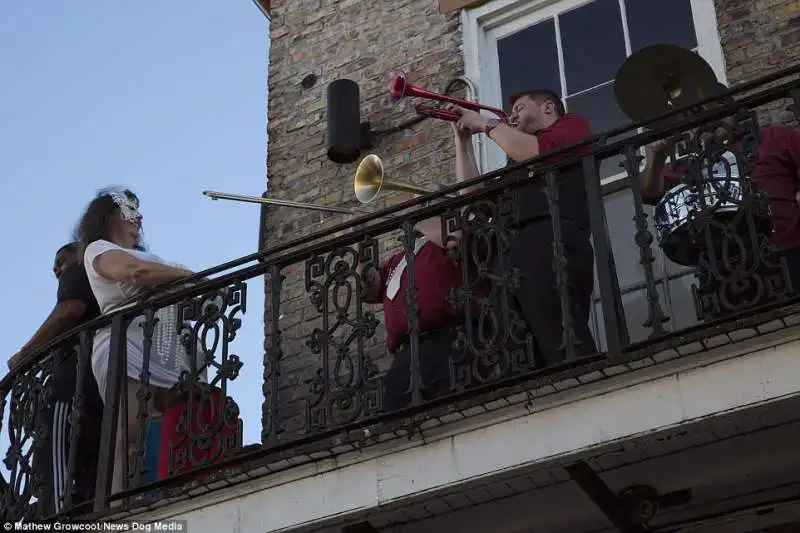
[168,98]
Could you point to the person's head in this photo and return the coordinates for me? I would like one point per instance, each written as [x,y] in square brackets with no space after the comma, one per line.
[113,216]
[65,257]
[535,109]
[721,129]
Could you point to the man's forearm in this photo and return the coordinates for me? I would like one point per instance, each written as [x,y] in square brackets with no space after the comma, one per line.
[651,176]
[60,321]
[517,145]
[466,168]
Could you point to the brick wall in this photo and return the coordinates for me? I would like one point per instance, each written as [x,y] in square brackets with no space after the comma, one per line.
[366,41]
[759,37]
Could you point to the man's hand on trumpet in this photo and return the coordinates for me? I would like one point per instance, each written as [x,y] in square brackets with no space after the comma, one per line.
[470,123]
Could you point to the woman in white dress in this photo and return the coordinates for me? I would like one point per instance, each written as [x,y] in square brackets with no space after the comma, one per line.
[119,270]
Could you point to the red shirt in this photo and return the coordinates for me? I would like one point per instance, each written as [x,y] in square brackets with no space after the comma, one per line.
[531,199]
[776,171]
[569,129]
[435,275]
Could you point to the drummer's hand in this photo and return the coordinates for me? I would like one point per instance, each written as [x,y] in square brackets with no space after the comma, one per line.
[661,146]
[797,198]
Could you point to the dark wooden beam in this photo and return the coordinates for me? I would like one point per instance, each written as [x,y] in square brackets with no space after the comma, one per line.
[359,527]
[603,497]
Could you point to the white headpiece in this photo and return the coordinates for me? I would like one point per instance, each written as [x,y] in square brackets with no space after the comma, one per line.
[126,201]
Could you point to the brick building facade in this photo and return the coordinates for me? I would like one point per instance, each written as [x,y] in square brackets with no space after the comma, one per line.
[368,41]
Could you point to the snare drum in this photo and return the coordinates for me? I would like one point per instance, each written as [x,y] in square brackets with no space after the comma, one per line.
[680,211]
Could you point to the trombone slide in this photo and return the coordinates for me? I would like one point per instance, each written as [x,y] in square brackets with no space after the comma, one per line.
[215,195]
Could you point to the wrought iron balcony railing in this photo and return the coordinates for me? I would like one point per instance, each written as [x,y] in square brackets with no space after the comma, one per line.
[325,356]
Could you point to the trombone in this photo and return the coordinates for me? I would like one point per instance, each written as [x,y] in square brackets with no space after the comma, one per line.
[368,183]
[215,195]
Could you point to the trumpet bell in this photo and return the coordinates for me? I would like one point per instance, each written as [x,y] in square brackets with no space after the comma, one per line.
[397,89]
[369,178]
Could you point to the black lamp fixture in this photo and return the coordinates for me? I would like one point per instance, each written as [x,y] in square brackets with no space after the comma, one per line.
[347,135]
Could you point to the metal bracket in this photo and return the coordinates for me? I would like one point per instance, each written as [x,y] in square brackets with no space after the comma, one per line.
[602,496]
[633,508]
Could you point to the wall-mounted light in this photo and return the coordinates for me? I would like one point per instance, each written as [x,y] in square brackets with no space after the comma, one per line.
[347,135]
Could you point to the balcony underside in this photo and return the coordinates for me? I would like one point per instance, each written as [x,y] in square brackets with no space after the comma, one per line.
[742,469]
[657,407]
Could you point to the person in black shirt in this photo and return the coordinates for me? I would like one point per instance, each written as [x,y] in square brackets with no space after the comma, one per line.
[539,124]
[75,305]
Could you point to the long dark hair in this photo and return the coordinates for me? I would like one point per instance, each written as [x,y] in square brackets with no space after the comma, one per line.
[96,222]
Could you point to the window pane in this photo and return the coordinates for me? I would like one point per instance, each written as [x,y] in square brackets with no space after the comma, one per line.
[652,22]
[593,44]
[599,107]
[529,59]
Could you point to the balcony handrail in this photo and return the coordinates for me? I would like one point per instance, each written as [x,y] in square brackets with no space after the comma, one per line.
[269,257]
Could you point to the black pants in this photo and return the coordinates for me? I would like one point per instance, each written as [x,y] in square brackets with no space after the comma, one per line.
[54,456]
[435,351]
[538,298]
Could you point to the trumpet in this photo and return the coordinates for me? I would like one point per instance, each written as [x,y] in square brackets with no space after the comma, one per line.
[400,89]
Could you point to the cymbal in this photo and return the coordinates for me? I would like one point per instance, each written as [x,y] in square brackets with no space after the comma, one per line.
[662,77]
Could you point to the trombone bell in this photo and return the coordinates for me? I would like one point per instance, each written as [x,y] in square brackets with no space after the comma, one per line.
[369,178]
[369,181]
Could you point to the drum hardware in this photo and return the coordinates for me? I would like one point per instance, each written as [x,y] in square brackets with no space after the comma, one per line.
[653,81]
[401,89]
[662,77]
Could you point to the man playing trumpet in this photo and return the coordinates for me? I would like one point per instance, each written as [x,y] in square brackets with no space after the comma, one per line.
[541,125]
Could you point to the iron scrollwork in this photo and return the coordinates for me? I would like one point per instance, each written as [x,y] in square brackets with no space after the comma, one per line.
[729,226]
[494,340]
[346,385]
[30,411]
[208,427]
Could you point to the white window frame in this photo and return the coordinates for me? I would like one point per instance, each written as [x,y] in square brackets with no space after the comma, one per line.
[485,25]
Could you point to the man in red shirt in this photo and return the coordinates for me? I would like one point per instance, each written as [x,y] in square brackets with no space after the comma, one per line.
[541,125]
[775,172]
[435,277]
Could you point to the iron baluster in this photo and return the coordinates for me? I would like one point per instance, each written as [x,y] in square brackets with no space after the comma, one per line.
[416,384]
[570,340]
[656,317]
